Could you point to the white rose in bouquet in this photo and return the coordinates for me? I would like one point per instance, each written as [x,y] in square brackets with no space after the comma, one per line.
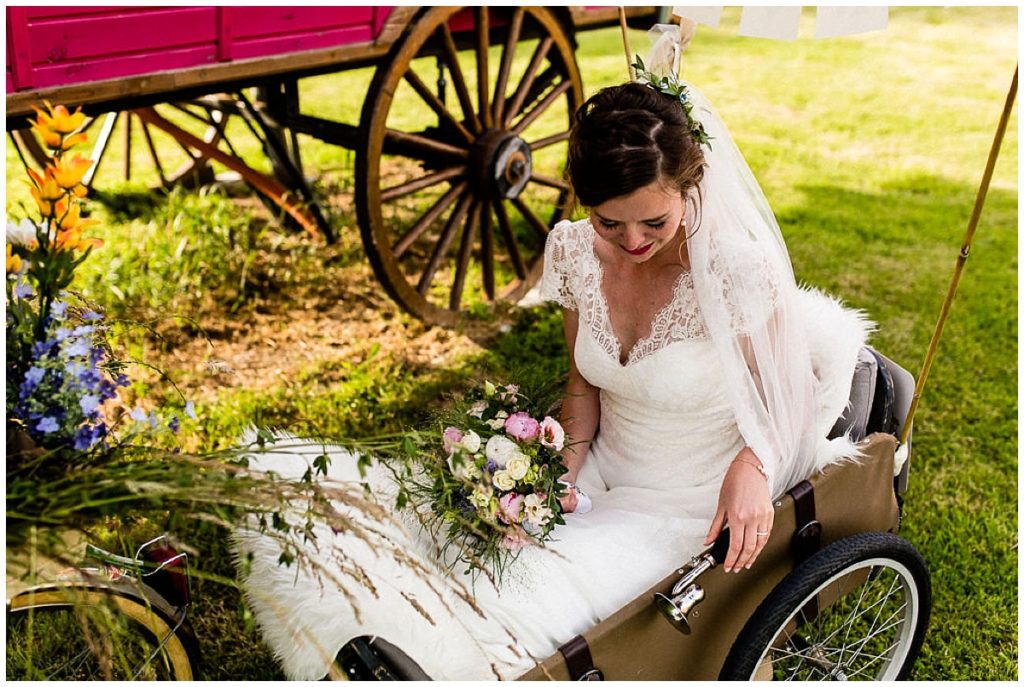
[517,466]
[499,420]
[503,480]
[500,450]
[471,441]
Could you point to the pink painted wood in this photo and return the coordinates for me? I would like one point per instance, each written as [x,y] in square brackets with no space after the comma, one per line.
[56,46]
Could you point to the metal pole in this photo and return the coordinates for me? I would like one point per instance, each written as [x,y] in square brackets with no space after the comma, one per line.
[965,251]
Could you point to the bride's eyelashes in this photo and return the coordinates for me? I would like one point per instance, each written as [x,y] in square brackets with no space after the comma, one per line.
[612,226]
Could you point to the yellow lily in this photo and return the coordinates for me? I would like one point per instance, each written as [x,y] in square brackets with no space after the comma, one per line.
[68,171]
[13,261]
[59,119]
[72,141]
[70,218]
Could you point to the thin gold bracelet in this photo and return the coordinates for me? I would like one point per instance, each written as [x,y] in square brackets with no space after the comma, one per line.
[759,468]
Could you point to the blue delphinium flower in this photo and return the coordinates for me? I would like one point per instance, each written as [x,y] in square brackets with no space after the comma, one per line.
[62,333]
[175,424]
[190,410]
[139,415]
[23,290]
[78,347]
[58,308]
[91,316]
[48,425]
[89,403]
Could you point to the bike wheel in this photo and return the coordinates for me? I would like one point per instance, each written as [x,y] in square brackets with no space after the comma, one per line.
[857,609]
[88,631]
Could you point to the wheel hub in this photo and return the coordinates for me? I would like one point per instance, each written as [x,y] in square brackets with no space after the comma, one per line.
[504,164]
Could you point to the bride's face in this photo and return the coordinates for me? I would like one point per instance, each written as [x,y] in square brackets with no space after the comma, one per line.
[642,224]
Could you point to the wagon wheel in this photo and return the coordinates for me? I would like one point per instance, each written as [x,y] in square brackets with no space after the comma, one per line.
[482,164]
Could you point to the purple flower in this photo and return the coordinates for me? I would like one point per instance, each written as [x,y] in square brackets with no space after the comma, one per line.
[62,333]
[175,424]
[78,348]
[58,308]
[153,420]
[91,316]
[23,290]
[86,436]
[48,425]
[89,403]
[139,415]
[41,348]
[122,380]
[491,466]
[190,410]
[34,375]
[84,329]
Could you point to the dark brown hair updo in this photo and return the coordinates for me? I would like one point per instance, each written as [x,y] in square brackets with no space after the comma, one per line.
[626,137]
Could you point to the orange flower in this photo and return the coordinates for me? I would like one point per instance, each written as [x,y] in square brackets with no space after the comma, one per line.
[68,171]
[70,218]
[59,120]
[45,190]
[13,261]
[72,141]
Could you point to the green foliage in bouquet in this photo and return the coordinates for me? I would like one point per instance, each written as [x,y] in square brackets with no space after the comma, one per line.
[485,481]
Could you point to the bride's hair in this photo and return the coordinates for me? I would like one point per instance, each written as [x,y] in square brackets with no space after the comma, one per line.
[626,137]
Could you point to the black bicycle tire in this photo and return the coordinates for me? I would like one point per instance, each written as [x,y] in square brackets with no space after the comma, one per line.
[143,606]
[796,589]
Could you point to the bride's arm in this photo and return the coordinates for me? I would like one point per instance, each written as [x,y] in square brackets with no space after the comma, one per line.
[581,407]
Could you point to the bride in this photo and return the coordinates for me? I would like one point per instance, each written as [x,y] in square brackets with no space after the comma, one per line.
[702,385]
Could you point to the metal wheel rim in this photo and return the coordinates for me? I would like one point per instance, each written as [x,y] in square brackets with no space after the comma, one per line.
[779,649]
[375,227]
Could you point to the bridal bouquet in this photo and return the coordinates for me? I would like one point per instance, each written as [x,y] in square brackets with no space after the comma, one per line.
[492,482]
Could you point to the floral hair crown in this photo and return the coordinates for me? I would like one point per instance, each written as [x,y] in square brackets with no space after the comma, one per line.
[671,86]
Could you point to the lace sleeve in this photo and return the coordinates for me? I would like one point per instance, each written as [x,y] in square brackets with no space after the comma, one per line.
[749,284]
[556,282]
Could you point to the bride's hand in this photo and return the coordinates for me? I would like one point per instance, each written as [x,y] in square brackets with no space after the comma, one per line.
[745,504]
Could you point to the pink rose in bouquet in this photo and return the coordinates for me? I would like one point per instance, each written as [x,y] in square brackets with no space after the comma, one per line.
[452,437]
[510,507]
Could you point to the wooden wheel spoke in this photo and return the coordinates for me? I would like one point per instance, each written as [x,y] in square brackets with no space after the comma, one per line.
[452,58]
[435,104]
[127,146]
[389,194]
[444,244]
[510,239]
[487,250]
[420,147]
[465,251]
[516,104]
[549,140]
[428,218]
[483,45]
[507,54]
[154,156]
[545,180]
[531,217]
[539,109]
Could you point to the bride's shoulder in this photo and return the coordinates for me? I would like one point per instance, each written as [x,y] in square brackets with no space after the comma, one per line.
[569,233]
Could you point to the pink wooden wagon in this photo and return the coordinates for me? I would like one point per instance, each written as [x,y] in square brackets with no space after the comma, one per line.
[461,138]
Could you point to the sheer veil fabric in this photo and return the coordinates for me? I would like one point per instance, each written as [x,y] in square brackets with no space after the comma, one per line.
[749,298]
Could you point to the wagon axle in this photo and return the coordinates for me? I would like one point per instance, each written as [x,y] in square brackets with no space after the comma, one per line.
[502,165]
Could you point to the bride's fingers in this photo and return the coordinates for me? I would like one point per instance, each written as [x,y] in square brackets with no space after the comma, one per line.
[749,548]
[716,527]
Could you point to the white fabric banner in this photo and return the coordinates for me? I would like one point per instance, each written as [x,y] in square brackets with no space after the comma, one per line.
[710,16]
[845,21]
[782,23]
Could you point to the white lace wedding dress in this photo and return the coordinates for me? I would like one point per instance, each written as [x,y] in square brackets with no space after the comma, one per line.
[667,434]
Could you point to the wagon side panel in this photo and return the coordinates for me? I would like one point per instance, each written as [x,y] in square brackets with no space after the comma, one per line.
[76,45]
[262,31]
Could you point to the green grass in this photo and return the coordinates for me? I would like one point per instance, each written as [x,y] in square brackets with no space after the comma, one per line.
[870,150]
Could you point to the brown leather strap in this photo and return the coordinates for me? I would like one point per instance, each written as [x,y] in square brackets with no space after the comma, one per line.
[807,539]
[578,660]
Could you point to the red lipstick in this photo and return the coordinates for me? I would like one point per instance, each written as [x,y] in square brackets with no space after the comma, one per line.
[638,251]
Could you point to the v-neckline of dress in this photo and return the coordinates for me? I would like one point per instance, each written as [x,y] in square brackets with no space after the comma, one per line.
[602,300]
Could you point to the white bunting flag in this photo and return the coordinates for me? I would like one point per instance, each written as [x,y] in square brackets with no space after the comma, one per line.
[782,23]
[845,21]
